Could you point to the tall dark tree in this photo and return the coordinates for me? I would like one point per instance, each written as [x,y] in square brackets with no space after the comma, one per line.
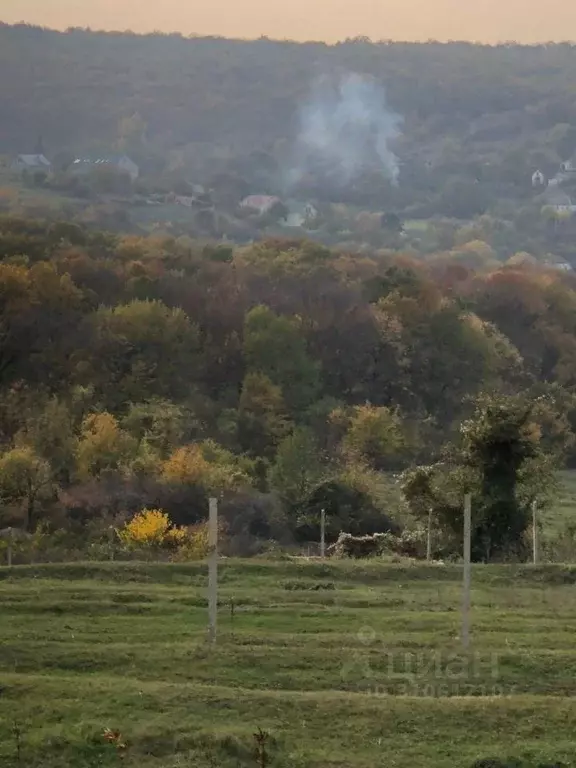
[499,439]
[501,461]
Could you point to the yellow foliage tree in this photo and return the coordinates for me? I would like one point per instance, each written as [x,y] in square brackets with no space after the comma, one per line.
[206,464]
[195,545]
[375,434]
[149,528]
[186,465]
[153,529]
[103,445]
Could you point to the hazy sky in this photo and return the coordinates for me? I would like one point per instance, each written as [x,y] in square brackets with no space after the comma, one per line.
[486,20]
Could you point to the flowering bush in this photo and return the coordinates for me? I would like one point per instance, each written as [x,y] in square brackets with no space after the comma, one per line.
[151,528]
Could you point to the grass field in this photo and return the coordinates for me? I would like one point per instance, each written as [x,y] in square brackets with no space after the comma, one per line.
[344,664]
[563,510]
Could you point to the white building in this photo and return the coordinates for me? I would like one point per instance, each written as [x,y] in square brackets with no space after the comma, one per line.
[260,204]
[31,163]
[559,201]
[121,163]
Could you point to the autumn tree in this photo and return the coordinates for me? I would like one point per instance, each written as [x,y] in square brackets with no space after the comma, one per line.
[452,354]
[206,465]
[374,434]
[103,447]
[40,311]
[26,486]
[132,133]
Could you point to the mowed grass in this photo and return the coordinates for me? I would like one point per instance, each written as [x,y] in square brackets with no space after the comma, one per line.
[344,664]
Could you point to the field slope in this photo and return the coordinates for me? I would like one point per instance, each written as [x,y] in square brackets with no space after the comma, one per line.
[343,664]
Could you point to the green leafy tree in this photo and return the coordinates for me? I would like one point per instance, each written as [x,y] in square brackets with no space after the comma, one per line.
[299,469]
[160,423]
[499,439]
[276,347]
[51,434]
[140,351]
[262,417]
[438,490]
[355,499]
[501,462]
[375,434]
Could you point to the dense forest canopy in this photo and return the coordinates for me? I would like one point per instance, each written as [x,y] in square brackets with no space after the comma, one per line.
[139,371]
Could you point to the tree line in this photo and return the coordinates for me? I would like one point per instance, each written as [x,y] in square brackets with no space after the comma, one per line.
[283,376]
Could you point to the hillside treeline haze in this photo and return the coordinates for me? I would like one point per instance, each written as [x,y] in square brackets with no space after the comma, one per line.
[475,121]
[283,376]
[214,92]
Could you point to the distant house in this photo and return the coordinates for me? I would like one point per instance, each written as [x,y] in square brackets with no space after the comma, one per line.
[559,201]
[31,163]
[299,214]
[82,165]
[566,172]
[260,204]
[201,201]
[538,179]
[568,166]
[187,202]
[561,264]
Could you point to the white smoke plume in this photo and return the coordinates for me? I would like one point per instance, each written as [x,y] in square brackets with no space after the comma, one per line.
[346,126]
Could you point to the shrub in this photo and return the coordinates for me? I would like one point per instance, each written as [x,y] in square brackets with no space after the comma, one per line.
[409,543]
[148,528]
[193,543]
[151,528]
[358,546]
[26,547]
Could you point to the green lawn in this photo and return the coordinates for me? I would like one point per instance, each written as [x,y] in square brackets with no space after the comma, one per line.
[345,664]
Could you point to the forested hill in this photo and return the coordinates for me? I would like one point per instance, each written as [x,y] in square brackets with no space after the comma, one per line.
[279,367]
[492,114]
